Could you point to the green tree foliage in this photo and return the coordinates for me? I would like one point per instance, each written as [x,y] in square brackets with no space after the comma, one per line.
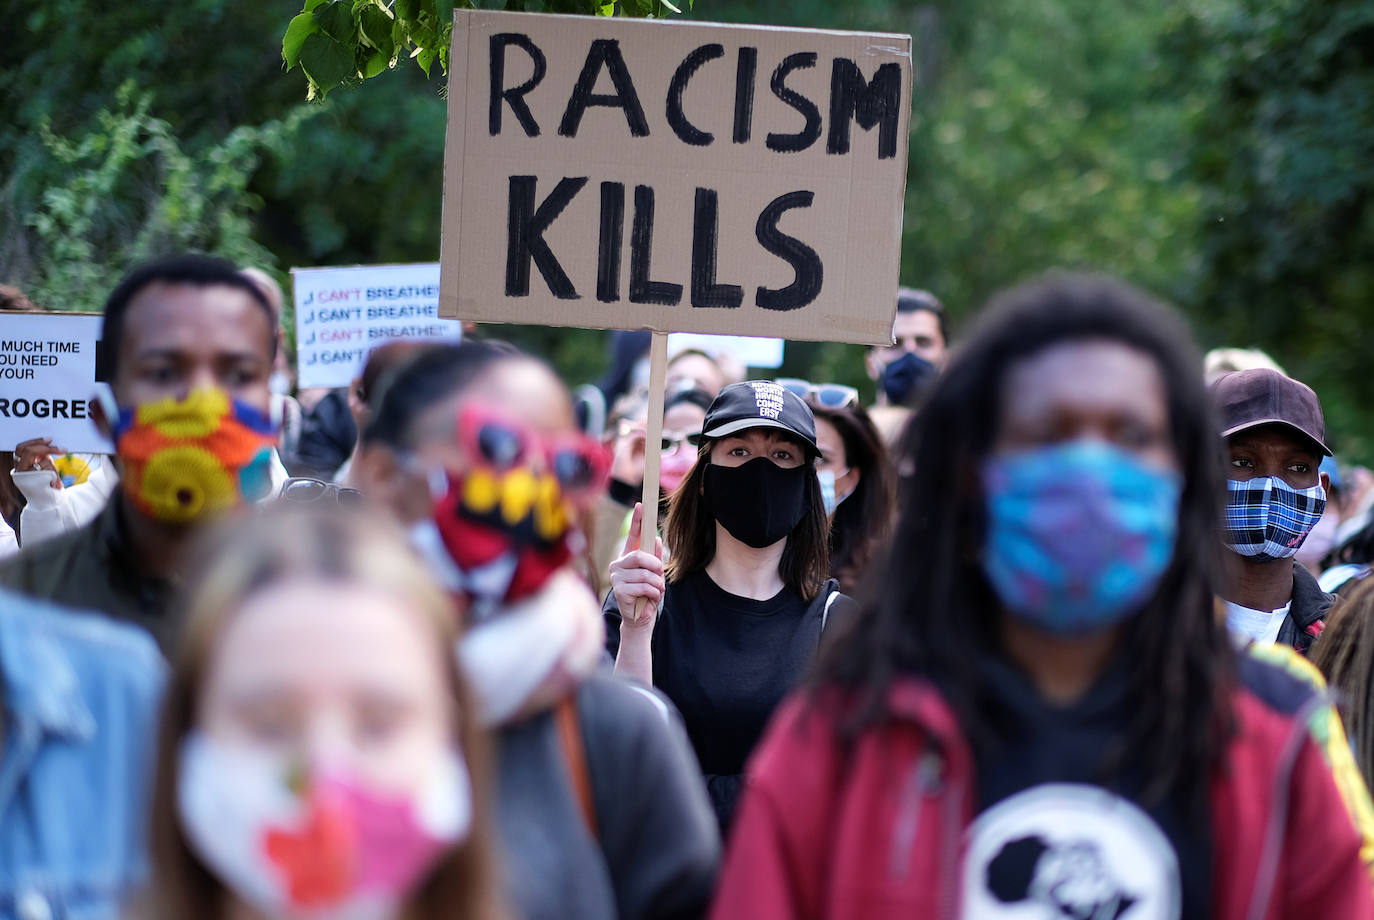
[354,180]
[1215,151]
[1282,153]
[1044,133]
[344,42]
[167,200]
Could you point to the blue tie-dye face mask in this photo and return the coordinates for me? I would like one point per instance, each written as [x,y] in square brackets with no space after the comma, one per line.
[1078,535]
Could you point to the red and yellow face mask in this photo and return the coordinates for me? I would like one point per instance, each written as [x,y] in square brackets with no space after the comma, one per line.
[507,519]
[185,459]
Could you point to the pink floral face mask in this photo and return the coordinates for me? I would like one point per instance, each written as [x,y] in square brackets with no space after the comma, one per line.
[300,843]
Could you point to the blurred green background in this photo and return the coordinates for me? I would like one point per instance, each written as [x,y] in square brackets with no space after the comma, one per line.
[1218,152]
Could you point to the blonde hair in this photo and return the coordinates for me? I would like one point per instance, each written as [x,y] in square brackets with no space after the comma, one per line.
[247,555]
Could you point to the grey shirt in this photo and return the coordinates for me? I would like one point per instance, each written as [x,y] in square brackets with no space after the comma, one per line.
[656,848]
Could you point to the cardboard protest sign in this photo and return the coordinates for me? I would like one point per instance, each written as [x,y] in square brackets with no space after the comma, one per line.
[47,378]
[675,176]
[343,313]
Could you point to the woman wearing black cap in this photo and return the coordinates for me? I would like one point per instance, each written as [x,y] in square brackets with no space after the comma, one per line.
[747,594]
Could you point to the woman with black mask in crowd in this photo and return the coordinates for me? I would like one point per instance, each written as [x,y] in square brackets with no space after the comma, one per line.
[600,813]
[1040,714]
[747,594]
[855,474]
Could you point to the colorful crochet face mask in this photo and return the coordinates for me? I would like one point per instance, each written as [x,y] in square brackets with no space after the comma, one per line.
[184,459]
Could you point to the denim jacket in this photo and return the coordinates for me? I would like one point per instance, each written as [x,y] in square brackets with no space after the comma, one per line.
[80,696]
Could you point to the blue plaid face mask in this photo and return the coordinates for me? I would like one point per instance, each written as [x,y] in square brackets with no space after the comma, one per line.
[1078,535]
[1266,518]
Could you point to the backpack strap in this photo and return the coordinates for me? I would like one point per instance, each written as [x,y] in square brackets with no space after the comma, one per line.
[825,612]
[575,758]
[831,590]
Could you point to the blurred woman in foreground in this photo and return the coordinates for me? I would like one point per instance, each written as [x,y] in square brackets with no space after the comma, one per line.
[316,756]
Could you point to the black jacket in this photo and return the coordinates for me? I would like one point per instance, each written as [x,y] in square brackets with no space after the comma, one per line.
[1307,615]
[655,850]
[95,568]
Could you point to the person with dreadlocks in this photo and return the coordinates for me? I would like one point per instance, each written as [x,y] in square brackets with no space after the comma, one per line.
[1042,714]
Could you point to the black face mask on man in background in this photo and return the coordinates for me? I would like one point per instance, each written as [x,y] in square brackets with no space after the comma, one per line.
[903,378]
[759,502]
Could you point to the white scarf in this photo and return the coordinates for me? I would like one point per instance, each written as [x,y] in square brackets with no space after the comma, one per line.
[525,658]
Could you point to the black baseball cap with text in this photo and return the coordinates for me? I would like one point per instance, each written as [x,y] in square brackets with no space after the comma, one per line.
[760,404]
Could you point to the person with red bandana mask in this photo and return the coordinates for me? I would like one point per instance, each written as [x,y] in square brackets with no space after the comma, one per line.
[599,810]
[187,345]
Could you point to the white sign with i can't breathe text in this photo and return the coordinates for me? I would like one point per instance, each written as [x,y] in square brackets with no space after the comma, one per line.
[344,313]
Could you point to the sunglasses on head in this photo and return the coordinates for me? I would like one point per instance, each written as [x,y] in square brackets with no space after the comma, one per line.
[305,490]
[577,462]
[829,395]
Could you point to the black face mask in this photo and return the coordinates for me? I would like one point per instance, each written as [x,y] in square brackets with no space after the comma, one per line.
[905,377]
[759,502]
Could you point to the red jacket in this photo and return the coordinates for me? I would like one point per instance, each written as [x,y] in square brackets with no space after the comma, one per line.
[878,830]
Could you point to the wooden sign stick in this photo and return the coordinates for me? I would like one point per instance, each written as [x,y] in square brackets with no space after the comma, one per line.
[653,447]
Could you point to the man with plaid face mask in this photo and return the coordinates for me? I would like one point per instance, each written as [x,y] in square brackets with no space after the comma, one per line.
[1275,494]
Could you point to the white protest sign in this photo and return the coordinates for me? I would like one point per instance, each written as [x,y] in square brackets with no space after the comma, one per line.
[674,176]
[748,350]
[344,313]
[47,377]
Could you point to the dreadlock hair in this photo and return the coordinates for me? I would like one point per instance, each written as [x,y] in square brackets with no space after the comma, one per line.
[934,610]
[1345,655]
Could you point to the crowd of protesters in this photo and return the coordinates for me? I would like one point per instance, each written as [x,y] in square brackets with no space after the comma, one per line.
[1044,633]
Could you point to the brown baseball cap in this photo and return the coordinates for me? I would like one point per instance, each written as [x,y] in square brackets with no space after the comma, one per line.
[1248,399]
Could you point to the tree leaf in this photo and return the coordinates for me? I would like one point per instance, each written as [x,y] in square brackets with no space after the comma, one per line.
[297,31]
[310,5]
[407,9]
[337,20]
[425,58]
[376,64]
[444,11]
[377,28]
[326,61]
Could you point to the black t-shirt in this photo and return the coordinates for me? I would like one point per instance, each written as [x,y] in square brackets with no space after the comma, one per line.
[726,662]
[1054,830]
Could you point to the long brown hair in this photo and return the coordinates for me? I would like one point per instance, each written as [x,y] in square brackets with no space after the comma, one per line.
[690,533]
[244,557]
[862,523]
[1345,654]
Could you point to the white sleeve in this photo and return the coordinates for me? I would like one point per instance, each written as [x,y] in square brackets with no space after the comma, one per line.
[9,545]
[52,512]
